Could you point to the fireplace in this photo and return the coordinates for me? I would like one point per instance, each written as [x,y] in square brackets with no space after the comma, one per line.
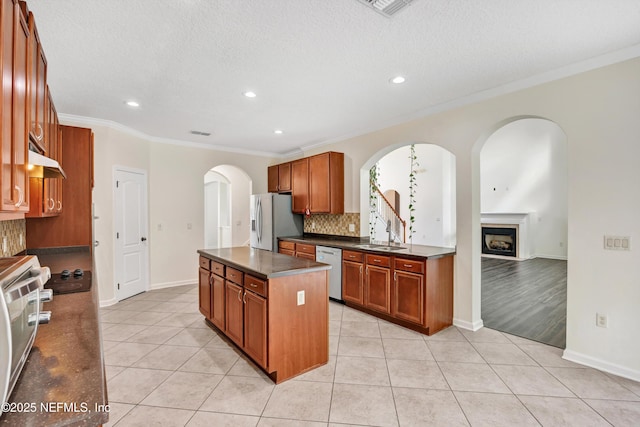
[500,241]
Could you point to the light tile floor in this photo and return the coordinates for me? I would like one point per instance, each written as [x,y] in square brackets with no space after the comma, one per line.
[166,367]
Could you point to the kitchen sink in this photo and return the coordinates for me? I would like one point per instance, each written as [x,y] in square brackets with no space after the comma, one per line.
[375,247]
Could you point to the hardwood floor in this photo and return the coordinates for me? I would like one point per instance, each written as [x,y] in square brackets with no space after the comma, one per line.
[526,298]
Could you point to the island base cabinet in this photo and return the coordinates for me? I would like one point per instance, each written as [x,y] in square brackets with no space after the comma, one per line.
[255,327]
[234,312]
[217,301]
[204,288]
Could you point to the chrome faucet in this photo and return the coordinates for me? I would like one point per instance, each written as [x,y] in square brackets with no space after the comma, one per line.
[388,230]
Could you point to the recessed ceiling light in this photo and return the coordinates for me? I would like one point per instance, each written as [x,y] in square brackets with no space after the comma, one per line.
[278,131]
[249,94]
[132,103]
[397,80]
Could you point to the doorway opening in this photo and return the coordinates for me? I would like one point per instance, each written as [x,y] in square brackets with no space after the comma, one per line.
[227,191]
[524,222]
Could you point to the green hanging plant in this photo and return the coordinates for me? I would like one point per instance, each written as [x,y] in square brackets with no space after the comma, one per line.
[374,174]
[413,183]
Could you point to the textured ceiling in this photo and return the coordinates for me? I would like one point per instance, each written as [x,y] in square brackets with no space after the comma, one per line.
[321,69]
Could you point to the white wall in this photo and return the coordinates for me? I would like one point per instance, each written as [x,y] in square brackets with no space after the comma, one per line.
[523,168]
[434,224]
[598,111]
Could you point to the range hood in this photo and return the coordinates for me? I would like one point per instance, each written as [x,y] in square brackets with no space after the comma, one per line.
[44,167]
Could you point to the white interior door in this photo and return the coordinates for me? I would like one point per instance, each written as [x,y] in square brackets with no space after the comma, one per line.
[131,227]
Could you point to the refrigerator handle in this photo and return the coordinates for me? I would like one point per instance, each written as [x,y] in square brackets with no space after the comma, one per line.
[259,218]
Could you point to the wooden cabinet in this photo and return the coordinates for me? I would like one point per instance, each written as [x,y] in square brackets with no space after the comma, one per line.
[298,250]
[217,295]
[204,287]
[352,277]
[409,289]
[413,292]
[326,183]
[317,184]
[377,289]
[13,108]
[304,250]
[300,186]
[279,178]
[286,248]
[37,87]
[255,326]
[264,320]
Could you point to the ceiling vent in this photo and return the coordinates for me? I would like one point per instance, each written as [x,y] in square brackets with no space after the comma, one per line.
[197,132]
[387,7]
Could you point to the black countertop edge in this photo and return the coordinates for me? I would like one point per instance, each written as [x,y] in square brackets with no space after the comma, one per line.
[264,264]
[420,251]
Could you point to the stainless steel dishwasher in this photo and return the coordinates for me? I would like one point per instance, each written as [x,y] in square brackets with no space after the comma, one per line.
[333,257]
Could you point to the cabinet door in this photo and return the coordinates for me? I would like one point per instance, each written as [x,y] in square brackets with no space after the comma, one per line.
[272,179]
[352,286]
[20,131]
[304,255]
[255,327]
[408,297]
[204,286]
[284,177]
[378,288]
[217,301]
[300,185]
[233,312]
[319,184]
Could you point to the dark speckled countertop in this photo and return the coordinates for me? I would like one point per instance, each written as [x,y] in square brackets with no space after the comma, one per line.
[404,249]
[263,264]
[64,374]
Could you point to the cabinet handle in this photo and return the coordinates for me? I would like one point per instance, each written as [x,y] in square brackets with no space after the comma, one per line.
[376,260]
[367,270]
[244,297]
[253,285]
[20,196]
[59,205]
[395,276]
[408,265]
[39,132]
[51,204]
[211,280]
[239,295]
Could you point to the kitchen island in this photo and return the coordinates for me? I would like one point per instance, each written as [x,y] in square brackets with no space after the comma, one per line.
[273,307]
[63,382]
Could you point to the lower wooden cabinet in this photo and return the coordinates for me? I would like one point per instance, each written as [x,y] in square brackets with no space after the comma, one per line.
[413,292]
[255,327]
[204,287]
[352,277]
[234,328]
[217,301]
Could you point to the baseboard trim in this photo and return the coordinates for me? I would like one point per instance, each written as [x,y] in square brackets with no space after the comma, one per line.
[108,302]
[172,284]
[601,365]
[471,326]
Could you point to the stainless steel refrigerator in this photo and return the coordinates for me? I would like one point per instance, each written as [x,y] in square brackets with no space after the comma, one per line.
[271,217]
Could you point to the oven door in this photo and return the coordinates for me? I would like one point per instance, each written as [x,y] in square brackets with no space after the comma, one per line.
[19,319]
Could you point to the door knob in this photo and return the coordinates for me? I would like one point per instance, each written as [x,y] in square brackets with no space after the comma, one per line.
[143,239]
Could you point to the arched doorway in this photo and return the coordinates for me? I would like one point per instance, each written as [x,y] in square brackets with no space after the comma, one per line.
[523,216]
[433,201]
[227,191]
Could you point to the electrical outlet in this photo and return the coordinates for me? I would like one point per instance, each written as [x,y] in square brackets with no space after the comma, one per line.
[189,226]
[4,244]
[352,228]
[313,225]
[300,297]
[601,320]
[159,226]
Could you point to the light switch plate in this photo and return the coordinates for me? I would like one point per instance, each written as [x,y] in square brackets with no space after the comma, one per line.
[617,243]
[300,297]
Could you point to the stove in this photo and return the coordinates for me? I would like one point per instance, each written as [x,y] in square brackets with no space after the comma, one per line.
[69,281]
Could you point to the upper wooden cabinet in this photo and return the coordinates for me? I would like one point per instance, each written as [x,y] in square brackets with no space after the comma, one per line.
[279,178]
[326,183]
[37,88]
[300,185]
[14,62]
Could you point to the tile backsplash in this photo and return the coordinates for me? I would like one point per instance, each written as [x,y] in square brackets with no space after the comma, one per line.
[336,225]
[14,237]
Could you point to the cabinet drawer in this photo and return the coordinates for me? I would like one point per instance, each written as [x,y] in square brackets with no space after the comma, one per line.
[304,248]
[282,244]
[234,275]
[412,265]
[352,256]
[256,285]
[205,263]
[217,268]
[380,260]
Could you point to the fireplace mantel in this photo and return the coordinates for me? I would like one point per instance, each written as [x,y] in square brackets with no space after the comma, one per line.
[523,221]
